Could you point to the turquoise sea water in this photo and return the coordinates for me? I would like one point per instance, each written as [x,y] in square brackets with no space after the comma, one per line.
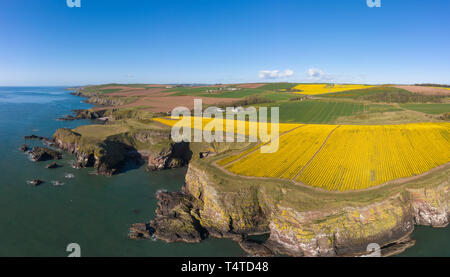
[93,211]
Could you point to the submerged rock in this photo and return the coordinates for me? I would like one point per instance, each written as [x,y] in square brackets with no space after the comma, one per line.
[69,176]
[24,148]
[44,154]
[52,165]
[33,137]
[36,182]
[57,183]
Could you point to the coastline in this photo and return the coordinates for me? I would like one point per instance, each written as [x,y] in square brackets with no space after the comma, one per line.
[397,245]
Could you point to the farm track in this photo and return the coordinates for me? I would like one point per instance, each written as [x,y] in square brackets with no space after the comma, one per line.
[315,154]
[399,181]
[251,152]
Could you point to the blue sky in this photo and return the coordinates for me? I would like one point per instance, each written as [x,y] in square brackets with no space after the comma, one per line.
[212,41]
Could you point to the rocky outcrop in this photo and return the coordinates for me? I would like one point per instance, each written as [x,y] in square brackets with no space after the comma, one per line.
[52,166]
[24,148]
[430,207]
[107,157]
[44,139]
[177,155]
[84,114]
[236,211]
[36,182]
[177,219]
[38,154]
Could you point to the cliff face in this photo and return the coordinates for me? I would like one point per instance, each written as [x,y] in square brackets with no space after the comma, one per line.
[345,231]
[226,212]
[230,211]
[109,155]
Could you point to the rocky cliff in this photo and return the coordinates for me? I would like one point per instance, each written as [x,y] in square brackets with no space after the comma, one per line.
[300,223]
[109,155]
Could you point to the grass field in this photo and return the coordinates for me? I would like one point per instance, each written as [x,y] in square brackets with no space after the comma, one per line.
[386,94]
[428,108]
[243,92]
[313,111]
[359,93]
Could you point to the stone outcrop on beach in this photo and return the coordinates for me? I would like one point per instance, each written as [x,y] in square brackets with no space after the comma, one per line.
[38,154]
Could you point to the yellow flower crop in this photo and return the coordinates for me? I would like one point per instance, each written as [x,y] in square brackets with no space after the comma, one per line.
[353,157]
[314,89]
[347,157]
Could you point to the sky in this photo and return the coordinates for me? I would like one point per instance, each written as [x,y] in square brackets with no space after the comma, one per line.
[46,42]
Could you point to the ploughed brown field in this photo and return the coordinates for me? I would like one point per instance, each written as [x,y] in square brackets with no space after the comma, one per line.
[425,90]
[250,85]
[138,92]
[154,99]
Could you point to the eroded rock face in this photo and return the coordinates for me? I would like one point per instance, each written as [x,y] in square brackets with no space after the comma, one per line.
[178,155]
[107,157]
[429,208]
[346,231]
[44,154]
[177,219]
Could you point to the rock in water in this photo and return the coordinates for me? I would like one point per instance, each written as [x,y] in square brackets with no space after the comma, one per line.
[44,154]
[24,148]
[36,182]
[52,165]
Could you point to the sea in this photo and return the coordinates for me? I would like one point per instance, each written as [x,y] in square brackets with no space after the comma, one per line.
[95,212]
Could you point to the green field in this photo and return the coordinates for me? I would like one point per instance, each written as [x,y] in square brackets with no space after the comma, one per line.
[324,111]
[271,89]
[369,92]
[428,108]
[385,94]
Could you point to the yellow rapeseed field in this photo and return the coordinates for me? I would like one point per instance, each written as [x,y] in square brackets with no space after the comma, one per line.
[346,157]
[360,157]
[314,89]
[353,157]
[295,150]
[247,130]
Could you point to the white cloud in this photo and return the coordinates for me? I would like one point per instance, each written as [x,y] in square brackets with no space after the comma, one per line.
[315,74]
[275,74]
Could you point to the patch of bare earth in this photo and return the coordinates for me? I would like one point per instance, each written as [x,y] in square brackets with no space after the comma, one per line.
[163,103]
[249,85]
[117,87]
[425,90]
[138,92]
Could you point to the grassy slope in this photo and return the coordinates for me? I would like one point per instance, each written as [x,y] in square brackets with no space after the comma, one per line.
[315,111]
[428,108]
